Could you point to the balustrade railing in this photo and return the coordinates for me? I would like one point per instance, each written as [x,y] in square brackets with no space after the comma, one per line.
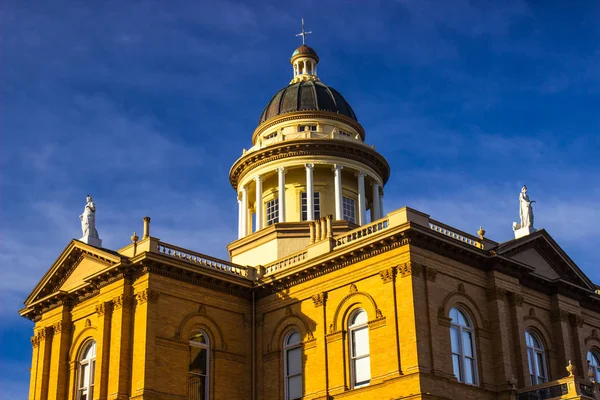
[201,259]
[454,235]
[361,232]
[286,262]
[303,135]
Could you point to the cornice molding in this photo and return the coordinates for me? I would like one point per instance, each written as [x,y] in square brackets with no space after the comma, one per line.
[310,147]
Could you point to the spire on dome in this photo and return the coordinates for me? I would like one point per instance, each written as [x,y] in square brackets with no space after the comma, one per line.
[303,33]
[305,60]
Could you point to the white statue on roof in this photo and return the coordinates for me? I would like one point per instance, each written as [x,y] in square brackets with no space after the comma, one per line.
[88,224]
[525,209]
[525,227]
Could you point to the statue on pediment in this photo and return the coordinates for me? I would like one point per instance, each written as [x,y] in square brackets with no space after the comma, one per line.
[525,227]
[525,209]
[88,219]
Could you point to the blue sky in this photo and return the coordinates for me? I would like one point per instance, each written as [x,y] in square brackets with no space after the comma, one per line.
[146,105]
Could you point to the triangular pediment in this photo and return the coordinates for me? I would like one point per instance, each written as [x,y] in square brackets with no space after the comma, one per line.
[68,273]
[548,259]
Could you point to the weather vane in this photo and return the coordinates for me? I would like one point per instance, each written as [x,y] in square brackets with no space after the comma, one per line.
[303,33]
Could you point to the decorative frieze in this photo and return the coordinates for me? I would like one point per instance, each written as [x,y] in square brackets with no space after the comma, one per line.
[576,320]
[41,335]
[62,327]
[515,299]
[495,293]
[559,315]
[104,308]
[410,268]
[388,275]
[146,295]
[319,299]
[430,274]
[122,301]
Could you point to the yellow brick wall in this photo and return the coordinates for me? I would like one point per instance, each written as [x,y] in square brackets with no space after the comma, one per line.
[142,327]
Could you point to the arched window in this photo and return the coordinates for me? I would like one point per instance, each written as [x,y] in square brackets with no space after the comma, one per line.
[85,374]
[594,363]
[463,347]
[360,360]
[199,367]
[292,347]
[536,358]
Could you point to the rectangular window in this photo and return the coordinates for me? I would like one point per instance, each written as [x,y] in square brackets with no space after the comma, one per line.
[349,210]
[316,205]
[272,211]
[302,128]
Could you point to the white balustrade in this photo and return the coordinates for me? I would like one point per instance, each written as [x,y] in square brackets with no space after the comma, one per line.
[201,259]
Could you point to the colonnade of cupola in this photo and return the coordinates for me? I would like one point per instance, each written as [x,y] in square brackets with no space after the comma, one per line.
[308,160]
[306,189]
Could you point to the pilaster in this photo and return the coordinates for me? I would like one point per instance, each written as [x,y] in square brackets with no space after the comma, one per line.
[43,339]
[104,311]
[144,340]
[412,330]
[61,341]
[580,360]
[517,313]
[499,315]
[561,330]
[120,344]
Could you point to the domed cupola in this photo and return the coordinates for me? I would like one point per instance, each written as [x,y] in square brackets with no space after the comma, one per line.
[307,95]
[308,160]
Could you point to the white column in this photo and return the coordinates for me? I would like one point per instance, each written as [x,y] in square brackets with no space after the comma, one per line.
[281,200]
[337,185]
[375,211]
[304,71]
[362,200]
[244,229]
[310,192]
[240,211]
[381,213]
[258,203]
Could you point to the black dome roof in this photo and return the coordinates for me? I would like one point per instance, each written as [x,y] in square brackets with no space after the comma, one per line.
[304,96]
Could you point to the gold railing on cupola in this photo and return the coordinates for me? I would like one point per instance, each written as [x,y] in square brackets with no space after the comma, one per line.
[278,137]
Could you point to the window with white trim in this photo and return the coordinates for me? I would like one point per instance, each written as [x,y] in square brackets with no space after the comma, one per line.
[349,210]
[272,211]
[270,136]
[292,352]
[316,205]
[536,358]
[199,367]
[85,375]
[462,341]
[594,364]
[360,359]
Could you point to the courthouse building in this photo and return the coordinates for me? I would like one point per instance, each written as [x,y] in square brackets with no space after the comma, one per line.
[325,295]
